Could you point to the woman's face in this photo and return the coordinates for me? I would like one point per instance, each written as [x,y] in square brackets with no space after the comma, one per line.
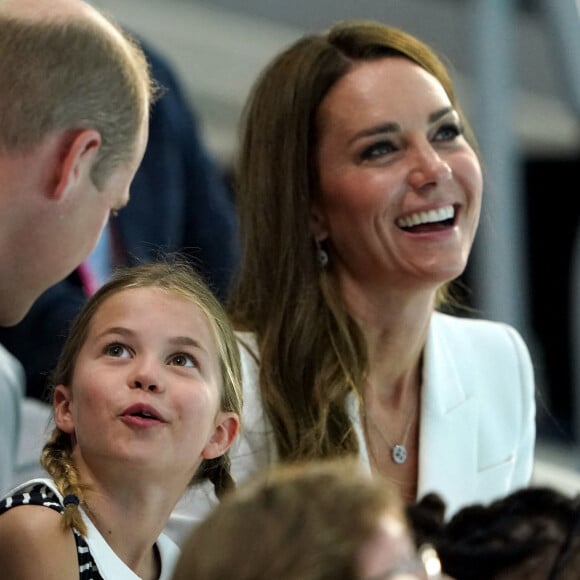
[399,186]
[146,388]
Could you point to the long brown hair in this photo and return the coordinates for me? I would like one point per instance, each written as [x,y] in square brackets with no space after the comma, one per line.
[312,352]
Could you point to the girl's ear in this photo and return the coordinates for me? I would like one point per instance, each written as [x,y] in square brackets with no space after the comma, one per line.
[62,400]
[78,158]
[227,427]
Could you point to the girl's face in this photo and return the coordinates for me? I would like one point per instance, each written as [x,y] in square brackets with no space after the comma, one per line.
[146,388]
[399,186]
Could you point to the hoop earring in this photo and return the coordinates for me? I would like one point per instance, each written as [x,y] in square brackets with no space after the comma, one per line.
[321,255]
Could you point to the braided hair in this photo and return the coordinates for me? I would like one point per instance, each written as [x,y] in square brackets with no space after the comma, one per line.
[57,461]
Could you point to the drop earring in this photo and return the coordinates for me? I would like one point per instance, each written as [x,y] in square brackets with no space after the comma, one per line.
[321,255]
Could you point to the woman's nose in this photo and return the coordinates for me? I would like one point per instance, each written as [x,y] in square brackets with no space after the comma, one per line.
[428,168]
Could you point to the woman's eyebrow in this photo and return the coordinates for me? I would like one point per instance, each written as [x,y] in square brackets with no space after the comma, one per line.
[434,117]
[389,127]
[376,130]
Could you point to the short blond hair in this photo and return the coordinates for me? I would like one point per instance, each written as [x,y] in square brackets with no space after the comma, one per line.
[58,75]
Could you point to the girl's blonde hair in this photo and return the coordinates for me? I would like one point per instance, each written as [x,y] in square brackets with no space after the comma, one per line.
[177,277]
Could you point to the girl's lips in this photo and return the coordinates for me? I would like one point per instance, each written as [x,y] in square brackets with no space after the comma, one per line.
[143,411]
[140,421]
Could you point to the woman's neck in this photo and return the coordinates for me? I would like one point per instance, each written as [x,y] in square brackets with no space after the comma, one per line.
[395,327]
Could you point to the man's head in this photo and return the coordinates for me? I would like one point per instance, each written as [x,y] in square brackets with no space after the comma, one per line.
[74,101]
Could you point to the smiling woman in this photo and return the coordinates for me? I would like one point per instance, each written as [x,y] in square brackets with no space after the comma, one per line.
[359,190]
[146,401]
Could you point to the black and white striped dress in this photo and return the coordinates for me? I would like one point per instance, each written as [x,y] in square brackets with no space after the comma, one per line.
[97,560]
[40,494]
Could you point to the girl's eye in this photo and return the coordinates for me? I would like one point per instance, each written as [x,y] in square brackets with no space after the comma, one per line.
[117,350]
[182,360]
[377,150]
[448,132]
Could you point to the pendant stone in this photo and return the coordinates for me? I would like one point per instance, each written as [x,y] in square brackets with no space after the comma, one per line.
[399,454]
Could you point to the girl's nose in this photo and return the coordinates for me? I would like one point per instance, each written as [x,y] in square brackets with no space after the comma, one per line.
[140,385]
[145,376]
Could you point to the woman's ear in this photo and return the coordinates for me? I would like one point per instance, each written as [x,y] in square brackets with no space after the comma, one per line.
[318,225]
[61,404]
[79,152]
[227,427]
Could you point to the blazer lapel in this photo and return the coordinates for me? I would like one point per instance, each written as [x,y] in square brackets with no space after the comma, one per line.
[448,433]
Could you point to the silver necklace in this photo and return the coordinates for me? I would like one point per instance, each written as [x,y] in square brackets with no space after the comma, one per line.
[399,451]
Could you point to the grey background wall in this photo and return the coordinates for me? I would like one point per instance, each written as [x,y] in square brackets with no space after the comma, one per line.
[219,46]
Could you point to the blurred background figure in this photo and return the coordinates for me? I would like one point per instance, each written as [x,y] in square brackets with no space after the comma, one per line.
[317,521]
[532,534]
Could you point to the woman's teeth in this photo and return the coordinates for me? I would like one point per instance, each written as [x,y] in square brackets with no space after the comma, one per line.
[427,217]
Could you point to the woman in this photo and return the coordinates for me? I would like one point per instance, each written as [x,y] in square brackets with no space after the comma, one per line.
[288,520]
[146,401]
[359,193]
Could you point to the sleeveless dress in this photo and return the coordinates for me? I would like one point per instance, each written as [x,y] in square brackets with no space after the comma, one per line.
[96,559]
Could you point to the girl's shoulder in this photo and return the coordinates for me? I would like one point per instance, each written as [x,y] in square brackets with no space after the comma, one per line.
[32,541]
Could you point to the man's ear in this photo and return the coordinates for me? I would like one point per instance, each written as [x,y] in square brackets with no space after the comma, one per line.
[227,427]
[318,223]
[79,151]
[61,404]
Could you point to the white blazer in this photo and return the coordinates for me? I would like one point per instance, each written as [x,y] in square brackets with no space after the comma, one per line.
[477,432]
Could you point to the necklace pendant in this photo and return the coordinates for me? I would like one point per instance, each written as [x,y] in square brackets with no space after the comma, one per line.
[399,454]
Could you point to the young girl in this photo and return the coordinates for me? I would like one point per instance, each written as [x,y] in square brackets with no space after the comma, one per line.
[146,401]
